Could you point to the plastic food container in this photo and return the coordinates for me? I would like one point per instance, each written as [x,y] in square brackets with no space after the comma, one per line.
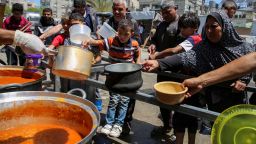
[106,31]
[33,61]
[79,33]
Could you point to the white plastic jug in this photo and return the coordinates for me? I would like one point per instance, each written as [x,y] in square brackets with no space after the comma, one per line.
[106,31]
[79,33]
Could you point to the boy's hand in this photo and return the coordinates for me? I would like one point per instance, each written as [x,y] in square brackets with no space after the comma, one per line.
[152,49]
[152,56]
[238,86]
[86,43]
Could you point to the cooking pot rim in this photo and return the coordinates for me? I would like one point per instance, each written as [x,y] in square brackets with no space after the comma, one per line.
[73,46]
[108,68]
[56,96]
[40,72]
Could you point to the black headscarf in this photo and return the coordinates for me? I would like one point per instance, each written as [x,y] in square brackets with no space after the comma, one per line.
[217,16]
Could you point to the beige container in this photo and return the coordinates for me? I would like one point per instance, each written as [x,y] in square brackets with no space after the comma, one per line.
[73,63]
[170,92]
[2,8]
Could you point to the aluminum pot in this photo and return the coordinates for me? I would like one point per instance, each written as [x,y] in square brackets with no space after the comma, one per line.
[123,77]
[73,62]
[10,71]
[19,109]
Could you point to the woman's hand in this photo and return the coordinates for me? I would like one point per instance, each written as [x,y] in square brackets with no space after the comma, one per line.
[150,65]
[238,86]
[194,86]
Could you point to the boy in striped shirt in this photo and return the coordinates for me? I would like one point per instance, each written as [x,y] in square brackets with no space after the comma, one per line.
[121,49]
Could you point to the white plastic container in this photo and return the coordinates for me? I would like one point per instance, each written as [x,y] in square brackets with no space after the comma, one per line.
[79,33]
[106,31]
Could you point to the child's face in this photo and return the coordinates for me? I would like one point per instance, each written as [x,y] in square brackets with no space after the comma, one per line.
[186,32]
[66,26]
[73,22]
[124,34]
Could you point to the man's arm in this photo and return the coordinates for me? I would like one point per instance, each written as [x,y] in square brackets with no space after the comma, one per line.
[51,31]
[232,70]
[29,43]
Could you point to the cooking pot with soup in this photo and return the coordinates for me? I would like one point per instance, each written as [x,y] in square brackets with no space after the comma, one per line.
[47,118]
[15,78]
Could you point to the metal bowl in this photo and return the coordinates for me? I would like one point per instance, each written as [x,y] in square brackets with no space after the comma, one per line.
[23,108]
[17,71]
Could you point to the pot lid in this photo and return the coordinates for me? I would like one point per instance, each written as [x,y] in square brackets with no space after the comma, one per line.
[123,68]
[236,125]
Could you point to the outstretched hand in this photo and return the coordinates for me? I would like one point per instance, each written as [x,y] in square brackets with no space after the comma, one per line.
[238,86]
[194,86]
[150,65]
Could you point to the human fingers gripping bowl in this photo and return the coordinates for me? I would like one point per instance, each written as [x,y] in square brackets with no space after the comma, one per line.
[194,86]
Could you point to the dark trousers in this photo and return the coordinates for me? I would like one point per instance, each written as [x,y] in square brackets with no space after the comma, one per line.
[130,111]
[12,58]
[166,116]
[166,113]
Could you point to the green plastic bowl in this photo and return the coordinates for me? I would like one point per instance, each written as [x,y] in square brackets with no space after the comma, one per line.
[236,125]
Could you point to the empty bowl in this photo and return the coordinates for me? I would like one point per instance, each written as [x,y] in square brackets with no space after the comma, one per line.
[170,92]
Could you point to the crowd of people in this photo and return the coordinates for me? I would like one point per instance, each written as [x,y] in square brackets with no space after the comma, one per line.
[176,46]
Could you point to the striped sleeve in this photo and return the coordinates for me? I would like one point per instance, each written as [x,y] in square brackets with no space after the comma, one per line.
[101,44]
[137,51]
[105,44]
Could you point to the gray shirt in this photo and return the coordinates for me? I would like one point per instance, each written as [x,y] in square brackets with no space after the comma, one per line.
[167,35]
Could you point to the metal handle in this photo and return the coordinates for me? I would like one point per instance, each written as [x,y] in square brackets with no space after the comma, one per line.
[79,90]
[11,86]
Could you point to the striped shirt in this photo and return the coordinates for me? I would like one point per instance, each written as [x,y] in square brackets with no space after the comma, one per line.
[120,52]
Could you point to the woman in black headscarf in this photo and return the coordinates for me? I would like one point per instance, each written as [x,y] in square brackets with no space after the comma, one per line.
[220,45]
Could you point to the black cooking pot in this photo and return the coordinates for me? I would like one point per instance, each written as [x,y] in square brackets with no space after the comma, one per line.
[123,77]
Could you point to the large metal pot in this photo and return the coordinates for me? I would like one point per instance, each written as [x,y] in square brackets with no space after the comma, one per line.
[123,77]
[73,63]
[19,109]
[17,71]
